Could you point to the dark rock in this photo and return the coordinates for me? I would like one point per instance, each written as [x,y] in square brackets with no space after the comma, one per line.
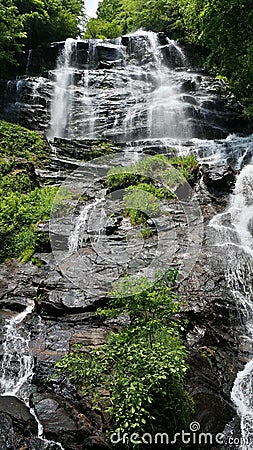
[95,443]
[219,180]
[19,414]
[18,284]
[61,418]
[107,52]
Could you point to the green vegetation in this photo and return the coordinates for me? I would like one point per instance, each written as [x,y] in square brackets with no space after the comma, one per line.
[18,142]
[148,170]
[23,204]
[19,216]
[224,29]
[123,16]
[218,33]
[140,205]
[143,365]
[141,202]
[187,165]
[27,24]
[152,170]
[142,182]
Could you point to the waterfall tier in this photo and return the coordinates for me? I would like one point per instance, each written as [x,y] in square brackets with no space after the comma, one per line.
[131,88]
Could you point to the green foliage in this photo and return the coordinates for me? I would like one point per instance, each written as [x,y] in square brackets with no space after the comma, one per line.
[23,204]
[19,142]
[141,202]
[160,193]
[142,366]
[142,181]
[102,29]
[19,216]
[187,165]
[49,20]
[129,15]
[11,35]
[140,172]
[26,24]
[154,169]
[146,232]
[139,205]
[225,29]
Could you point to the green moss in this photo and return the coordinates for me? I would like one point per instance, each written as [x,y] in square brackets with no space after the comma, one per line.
[187,165]
[143,181]
[147,232]
[154,170]
[141,202]
[19,142]
[23,203]
[20,215]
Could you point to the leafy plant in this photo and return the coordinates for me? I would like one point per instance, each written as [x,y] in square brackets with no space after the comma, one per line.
[187,165]
[19,216]
[19,142]
[139,205]
[142,366]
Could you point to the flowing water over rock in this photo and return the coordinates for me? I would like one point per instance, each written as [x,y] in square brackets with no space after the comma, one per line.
[139,92]
[234,235]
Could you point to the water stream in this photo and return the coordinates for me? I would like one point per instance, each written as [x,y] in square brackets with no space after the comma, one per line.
[234,234]
[139,90]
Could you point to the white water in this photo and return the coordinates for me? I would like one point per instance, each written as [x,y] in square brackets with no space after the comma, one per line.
[163,110]
[63,95]
[234,231]
[88,222]
[17,366]
[16,353]
[70,113]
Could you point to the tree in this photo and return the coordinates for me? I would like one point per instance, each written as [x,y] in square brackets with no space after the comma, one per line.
[225,29]
[49,20]
[11,35]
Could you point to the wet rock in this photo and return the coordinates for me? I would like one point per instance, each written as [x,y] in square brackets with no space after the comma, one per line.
[211,336]
[219,180]
[108,52]
[20,416]
[95,443]
[17,285]
[13,439]
[61,418]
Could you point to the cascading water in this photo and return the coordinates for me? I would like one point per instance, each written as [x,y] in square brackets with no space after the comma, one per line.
[16,354]
[61,106]
[137,89]
[234,236]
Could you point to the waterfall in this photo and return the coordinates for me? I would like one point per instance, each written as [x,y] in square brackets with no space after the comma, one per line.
[61,106]
[154,106]
[234,234]
[17,363]
[17,366]
[91,219]
[136,90]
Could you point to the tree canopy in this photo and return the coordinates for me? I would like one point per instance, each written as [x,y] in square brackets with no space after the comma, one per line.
[29,24]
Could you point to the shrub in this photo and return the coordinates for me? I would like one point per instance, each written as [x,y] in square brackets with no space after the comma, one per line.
[157,170]
[19,142]
[140,205]
[187,166]
[19,216]
[142,366]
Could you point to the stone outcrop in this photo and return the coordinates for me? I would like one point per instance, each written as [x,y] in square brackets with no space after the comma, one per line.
[121,78]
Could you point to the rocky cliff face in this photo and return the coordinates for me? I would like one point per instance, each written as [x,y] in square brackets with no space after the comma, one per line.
[138,93]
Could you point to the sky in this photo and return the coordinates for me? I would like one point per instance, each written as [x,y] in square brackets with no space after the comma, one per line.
[91,7]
